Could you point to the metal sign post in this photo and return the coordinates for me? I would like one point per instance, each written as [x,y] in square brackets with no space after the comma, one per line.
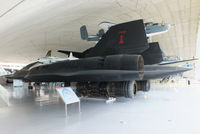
[66,110]
[79,108]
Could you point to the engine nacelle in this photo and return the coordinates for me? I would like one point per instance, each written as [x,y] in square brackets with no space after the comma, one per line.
[124,62]
[109,68]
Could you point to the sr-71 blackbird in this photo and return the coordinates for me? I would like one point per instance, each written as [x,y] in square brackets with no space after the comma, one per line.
[121,63]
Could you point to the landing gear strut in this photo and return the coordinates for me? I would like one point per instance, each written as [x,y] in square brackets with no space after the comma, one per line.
[127,89]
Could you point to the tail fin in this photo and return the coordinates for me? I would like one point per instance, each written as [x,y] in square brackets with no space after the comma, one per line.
[48,53]
[153,55]
[85,36]
[84,33]
[124,38]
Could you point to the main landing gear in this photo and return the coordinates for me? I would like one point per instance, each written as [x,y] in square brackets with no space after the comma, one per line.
[144,85]
[126,89]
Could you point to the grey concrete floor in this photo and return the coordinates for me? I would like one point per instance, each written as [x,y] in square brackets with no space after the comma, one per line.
[163,110]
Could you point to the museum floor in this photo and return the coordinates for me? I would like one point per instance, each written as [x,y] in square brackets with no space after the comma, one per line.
[163,110]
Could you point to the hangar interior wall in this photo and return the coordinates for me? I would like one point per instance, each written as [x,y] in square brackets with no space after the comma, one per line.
[197,65]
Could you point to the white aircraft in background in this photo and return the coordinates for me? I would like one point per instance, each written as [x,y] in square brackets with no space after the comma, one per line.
[151,29]
[48,59]
[11,66]
[3,71]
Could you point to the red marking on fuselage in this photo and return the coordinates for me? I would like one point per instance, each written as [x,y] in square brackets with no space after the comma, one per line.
[121,41]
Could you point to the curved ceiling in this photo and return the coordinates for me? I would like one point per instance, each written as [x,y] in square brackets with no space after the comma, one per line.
[29,28]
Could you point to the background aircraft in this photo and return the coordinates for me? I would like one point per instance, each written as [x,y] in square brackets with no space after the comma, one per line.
[3,71]
[151,29]
[48,59]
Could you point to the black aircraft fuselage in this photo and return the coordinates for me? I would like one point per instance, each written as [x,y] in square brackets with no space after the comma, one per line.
[122,55]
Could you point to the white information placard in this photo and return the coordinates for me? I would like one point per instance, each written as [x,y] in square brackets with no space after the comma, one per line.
[17,83]
[68,95]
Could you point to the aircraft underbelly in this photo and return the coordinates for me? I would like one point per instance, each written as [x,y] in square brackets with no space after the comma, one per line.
[150,72]
[84,76]
[158,71]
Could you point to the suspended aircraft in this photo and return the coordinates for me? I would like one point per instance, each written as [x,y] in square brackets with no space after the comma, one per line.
[151,29]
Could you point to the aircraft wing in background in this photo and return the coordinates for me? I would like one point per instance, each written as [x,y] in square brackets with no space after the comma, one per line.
[168,62]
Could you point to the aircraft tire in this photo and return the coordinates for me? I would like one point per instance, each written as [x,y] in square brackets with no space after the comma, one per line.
[129,89]
[145,85]
[125,89]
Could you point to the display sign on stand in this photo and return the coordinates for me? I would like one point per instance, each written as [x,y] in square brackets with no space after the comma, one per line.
[17,83]
[68,96]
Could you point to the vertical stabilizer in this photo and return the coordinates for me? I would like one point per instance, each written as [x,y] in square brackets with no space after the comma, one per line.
[48,53]
[124,38]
